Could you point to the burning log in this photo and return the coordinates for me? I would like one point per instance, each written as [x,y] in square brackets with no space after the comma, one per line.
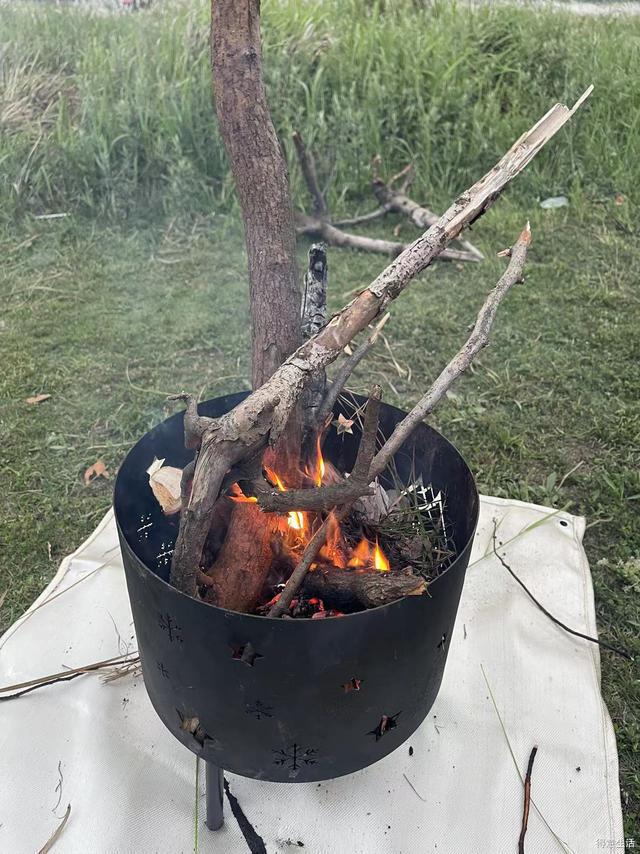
[354,590]
[244,560]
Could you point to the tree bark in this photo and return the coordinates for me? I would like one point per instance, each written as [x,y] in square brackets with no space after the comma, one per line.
[261,180]
[242,565]
[349,590]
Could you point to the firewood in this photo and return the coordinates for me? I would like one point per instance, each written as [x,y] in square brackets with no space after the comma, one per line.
[477,340]
[354,590]
[265,414]
[359,474]
[238,575]
[314,317]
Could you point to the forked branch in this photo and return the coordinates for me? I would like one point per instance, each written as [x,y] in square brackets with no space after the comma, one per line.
[263,415]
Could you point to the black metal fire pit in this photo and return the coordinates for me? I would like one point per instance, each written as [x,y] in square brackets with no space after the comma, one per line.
[288,700]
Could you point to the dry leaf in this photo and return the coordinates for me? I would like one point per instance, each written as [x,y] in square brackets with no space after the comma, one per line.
[165,483]
[619,199]
[343,425]
[38,398]
[98,469]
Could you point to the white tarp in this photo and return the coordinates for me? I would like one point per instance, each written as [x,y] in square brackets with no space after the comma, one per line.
[132,786]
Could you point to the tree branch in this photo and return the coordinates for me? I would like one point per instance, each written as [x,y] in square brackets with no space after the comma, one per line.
[264,414]
[324,230]
[397,202]
[308,169]
[478,339]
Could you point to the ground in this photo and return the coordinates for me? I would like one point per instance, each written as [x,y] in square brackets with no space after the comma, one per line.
[117,304]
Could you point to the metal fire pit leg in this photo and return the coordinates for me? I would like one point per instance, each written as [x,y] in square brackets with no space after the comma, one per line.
[215,796]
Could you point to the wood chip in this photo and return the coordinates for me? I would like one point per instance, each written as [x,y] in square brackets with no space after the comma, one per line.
[38,398]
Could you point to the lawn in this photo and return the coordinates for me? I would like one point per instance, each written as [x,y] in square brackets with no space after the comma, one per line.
[140,290]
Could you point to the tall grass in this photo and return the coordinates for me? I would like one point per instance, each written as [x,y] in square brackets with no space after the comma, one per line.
[109,111]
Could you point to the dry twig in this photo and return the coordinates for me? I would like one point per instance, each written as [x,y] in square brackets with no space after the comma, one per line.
[527,800]
[21,688]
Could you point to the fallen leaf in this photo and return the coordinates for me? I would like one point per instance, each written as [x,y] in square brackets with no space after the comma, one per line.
[38,398]
[343,425]
[619,199]
[98,469]
[165,482]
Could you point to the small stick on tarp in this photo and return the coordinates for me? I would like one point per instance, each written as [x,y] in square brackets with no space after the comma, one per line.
[527,800]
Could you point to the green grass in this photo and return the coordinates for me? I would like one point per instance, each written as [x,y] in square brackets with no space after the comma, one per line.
[127,123]
[141,290]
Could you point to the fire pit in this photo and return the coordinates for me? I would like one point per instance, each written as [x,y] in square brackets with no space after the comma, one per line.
[288,700]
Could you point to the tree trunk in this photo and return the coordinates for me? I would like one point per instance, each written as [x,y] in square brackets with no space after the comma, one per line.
[261,179]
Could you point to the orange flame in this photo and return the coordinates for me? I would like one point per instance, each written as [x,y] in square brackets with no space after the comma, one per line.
[380,559]
[238,495]
[301,525]
[365,554]
[295,518]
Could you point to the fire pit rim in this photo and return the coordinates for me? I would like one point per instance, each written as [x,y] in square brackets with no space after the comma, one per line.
[236,397]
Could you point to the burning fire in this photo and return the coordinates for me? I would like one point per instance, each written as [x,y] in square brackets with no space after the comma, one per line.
[295,519]
[301,525]
[365,554]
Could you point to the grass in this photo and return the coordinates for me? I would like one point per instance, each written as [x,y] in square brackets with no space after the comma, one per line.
[141,289]
[107,113]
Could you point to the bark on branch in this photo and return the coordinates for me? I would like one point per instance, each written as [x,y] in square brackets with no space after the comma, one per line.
[478,339]
[260,174]
[263,415]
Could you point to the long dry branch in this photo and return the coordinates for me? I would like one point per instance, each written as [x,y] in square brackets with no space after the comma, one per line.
[478,339]
[264,414]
